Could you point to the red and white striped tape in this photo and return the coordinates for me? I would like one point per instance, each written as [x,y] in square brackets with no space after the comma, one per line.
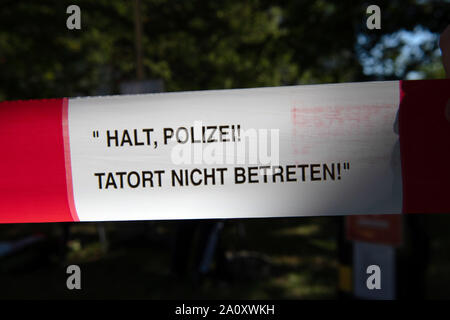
[56,164]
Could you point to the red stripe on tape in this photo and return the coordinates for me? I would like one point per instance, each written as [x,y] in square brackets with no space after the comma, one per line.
[425,146]
[67,160]
[33,184]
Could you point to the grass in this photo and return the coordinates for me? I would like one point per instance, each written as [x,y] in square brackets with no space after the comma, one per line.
[267,259]
[272,258]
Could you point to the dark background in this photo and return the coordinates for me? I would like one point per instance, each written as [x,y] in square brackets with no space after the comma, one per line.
[198,45]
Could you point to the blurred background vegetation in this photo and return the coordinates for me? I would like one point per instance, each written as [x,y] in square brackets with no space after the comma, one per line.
[198,45]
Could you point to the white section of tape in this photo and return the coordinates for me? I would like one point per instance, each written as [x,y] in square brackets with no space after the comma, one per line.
[346,124]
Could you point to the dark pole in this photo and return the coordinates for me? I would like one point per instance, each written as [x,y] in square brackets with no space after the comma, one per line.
[138,39]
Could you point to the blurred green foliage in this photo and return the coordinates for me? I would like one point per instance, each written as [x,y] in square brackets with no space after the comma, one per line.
[194,44]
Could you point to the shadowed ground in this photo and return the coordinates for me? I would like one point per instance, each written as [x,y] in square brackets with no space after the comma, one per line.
[265,259]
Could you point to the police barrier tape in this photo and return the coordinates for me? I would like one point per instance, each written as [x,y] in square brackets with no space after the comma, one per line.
[337,149]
